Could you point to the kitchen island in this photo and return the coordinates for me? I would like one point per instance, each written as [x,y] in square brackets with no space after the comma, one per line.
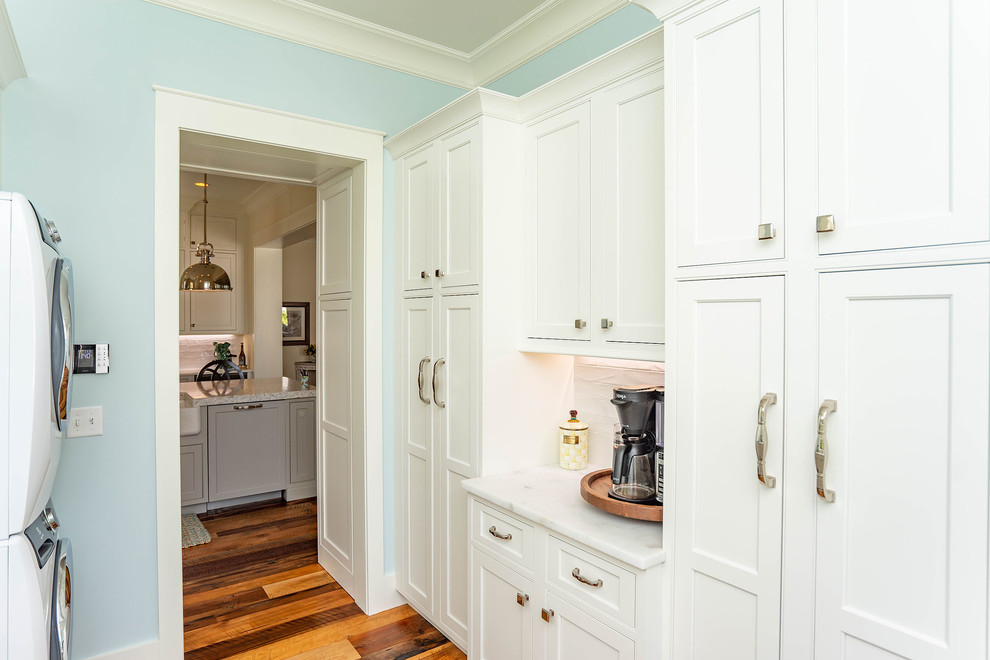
[257,440]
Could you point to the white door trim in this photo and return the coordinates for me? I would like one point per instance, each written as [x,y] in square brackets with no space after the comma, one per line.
[177,111]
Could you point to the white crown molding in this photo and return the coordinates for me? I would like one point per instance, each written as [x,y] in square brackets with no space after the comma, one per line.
[11,64]
[663,9]
[304,23]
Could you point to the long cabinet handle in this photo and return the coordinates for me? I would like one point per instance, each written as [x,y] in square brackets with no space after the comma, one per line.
[420,379]
[762,437]
[436,376]
[821,449]
[576,574]
[250,407]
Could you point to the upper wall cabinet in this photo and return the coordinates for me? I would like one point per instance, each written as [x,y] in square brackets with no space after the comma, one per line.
[440,211]
[220,312]
[903,101]
[595,217]
[727,132]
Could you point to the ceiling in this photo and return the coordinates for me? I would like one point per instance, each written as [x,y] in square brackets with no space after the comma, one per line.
[457,24]
[464,43]
[223,189]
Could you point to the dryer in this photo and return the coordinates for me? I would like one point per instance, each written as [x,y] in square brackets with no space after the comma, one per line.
[35,398]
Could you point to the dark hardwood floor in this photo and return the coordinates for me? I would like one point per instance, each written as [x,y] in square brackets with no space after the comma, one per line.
[256,592]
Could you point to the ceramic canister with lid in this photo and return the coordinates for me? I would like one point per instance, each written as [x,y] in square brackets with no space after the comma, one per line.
[573,444]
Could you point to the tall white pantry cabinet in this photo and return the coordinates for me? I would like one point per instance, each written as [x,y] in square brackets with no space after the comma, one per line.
[468,402]
[828,341]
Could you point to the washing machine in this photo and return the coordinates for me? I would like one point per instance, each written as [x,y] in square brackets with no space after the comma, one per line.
[35,399]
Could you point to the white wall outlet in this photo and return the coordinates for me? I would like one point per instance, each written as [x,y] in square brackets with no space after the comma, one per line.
[85,422]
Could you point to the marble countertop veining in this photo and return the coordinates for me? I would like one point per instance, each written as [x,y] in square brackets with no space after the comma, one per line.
[551,497]
[218,393]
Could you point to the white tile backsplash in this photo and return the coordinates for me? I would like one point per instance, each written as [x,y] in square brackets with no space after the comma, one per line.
[195,351]
[594,379]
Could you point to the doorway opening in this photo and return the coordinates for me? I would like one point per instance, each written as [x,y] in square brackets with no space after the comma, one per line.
[239,141]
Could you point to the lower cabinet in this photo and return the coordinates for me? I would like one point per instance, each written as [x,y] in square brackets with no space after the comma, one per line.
[537,595]
[300,422]
[192,471]
[247,449]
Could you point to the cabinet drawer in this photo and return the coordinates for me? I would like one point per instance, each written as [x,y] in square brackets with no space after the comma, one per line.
[504,535]
[603,585]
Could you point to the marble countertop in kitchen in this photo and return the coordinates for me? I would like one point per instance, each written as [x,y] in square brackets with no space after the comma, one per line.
[219,393]
[551,497]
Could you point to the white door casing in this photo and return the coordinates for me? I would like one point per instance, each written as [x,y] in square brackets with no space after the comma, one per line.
[725,88]
[902,551]
[903,137]
[727,547]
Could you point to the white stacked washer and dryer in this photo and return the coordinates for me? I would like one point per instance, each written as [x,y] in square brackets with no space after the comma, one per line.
[35,397]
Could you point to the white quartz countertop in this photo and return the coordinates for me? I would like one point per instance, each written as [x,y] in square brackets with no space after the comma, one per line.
[218,393]
[551,497]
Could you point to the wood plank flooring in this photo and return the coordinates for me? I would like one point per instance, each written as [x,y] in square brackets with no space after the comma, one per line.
[256,592]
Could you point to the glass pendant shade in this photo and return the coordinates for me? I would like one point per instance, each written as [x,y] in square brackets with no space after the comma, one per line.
[204,276]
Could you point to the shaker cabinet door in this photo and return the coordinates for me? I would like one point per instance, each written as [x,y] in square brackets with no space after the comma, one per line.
[214,311]
[727,549]
[558,217]
[570,634]
[726,86]
[336,236]
[460,209]
[504,611]
[418,199]
[246,449]
[903,136]
[902,547]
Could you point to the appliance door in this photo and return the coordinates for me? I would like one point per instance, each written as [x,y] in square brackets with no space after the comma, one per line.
[61,618]
[61,335]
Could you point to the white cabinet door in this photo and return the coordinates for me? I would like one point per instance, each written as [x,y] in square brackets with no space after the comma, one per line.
[417,544]
[727,552]
[503,627]
[558,215]
[221,232]
[457,379]
[335,204]
[727,116]
[629,228]
[903,98]
[214,311]
[418,216]
[573,635]
[460,208]
[902,549]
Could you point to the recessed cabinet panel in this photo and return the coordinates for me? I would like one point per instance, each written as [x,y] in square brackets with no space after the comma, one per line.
[246,449]
[902,550]
[904,142]
[457,379]
[460,209]
[630,231]
[335,206]
[728,116]
[502,628]
[419,211]
[573,635]
[302,441]
[730,356]
[191,474]
[335,364]
[418,514]
[454,608]
[214,311]
[558,203]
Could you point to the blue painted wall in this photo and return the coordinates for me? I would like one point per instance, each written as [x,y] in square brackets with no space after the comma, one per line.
[78,139]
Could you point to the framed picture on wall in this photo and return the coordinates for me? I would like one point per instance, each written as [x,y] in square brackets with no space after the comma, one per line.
[295,324]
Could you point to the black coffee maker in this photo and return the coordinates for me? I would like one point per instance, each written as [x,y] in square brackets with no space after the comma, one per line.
[637,450]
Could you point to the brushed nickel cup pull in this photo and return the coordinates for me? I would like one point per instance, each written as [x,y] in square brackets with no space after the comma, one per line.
[494,532]
[424,275]
[821,449]
[436,375]
[606,324]
[439,272]
[768,399]
[547,615]
[766,232]
[522,599]
[249,407]
[420,379]
[576,574]
[825,223]
[580,324]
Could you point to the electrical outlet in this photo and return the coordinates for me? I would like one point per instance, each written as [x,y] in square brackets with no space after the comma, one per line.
[85,422]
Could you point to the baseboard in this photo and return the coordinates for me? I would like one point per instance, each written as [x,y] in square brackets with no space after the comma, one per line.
[144,651]
[293,493]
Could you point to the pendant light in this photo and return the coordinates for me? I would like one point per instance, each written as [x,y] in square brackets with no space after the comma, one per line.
[204,276]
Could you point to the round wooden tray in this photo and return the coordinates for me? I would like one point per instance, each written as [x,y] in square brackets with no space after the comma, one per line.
[594,490]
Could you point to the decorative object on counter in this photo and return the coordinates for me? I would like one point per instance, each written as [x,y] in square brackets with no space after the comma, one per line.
[305,381]
[204,276]
[242,358]
[221,350]
[311,351]
[573,444]
[595,488]
[295,324]
[193,532]
[223,368]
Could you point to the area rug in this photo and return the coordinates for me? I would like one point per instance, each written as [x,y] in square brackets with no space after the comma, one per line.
[193,532]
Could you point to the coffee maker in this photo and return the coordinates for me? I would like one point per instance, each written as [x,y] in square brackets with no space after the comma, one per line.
[637,451]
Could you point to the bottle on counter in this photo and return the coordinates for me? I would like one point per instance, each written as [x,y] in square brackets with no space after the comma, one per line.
[241,357]
[573,444]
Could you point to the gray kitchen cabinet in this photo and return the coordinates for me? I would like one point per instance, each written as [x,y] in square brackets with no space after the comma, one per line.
[301,436]
[246,449]
[192,466]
